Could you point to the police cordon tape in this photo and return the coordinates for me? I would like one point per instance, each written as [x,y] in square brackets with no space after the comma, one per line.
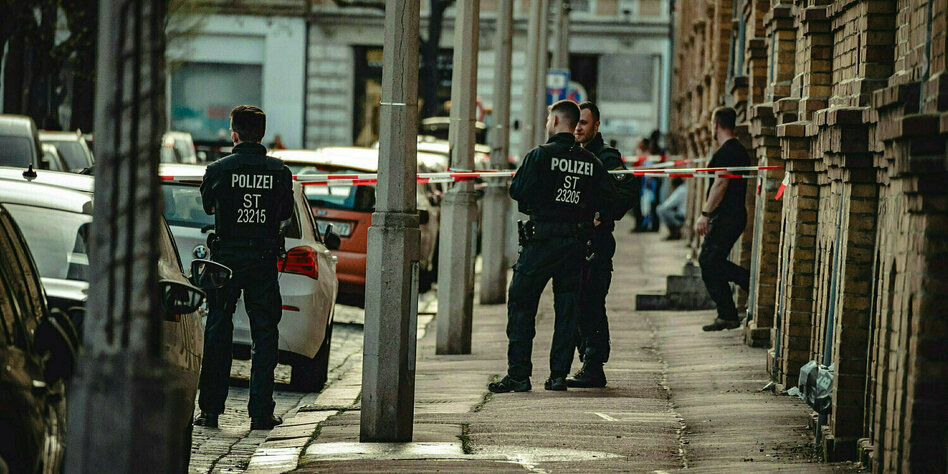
[352,179]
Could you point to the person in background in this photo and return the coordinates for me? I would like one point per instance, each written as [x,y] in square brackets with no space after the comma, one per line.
[641,149]
[722,221]
[672,209]
[277,143]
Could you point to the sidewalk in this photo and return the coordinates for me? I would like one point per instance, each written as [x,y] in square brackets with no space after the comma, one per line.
[676,398]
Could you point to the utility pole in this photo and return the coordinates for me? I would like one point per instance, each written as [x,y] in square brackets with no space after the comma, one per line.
[394,241]
[530,91]
[493,261]
[561,34]
[543,65]
[459,209]
[120,404]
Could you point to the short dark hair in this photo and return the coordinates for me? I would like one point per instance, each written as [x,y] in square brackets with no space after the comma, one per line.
[726,117]
[591,107]
[249,122]
[568,110]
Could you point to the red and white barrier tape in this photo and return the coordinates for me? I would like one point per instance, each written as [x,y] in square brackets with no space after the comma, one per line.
[349,179]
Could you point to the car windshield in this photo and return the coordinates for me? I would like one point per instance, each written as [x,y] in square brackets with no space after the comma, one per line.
[57,240]
[15,151]
[350,198]
[184,208]
[73,152]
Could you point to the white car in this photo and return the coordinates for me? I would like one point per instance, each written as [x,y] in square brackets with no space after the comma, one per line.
[308,282]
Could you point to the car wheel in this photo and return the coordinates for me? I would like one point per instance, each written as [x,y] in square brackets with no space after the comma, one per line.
[309,375]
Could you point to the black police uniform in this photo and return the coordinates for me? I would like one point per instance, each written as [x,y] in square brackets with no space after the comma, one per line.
[561,187]
[726,224]
[249,194]
[593,323]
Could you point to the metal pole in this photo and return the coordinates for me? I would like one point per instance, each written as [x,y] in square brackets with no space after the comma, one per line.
[459,209]
[530,91]
[561,35]
[394,241]
[121,403]
[543,64]
[493,242]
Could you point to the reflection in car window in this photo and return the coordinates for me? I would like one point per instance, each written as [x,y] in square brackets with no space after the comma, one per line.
[57,240]
[184,208]
[14,272]
[16,151]
[73,152]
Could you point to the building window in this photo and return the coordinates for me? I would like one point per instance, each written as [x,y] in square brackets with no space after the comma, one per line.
[203,94]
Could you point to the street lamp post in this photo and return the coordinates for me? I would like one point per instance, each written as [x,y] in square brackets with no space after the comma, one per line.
[543,64]
[459,218]
[493,262]
[394,241]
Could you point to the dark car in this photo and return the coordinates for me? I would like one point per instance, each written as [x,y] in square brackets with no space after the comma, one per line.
[55,222]
[37,356]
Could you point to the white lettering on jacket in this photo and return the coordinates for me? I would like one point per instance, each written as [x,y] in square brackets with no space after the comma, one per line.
[251,181]
[571,166]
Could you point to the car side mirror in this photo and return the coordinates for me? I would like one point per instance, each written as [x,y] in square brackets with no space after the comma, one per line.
[57,337]
[423,216]
[209,275]
[330,239]
[179,298]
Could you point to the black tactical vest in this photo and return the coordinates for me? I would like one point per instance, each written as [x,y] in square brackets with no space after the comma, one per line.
[568,181]
[249,205]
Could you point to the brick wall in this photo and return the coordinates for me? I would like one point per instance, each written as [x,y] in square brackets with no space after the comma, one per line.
[850,267]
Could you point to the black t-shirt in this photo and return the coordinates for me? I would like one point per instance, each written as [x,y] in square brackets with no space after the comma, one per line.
[731,153]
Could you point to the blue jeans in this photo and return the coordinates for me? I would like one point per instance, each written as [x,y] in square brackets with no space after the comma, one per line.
[255,274]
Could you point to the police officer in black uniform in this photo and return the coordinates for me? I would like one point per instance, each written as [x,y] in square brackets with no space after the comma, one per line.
[593,337]
[561,187]
[249,194]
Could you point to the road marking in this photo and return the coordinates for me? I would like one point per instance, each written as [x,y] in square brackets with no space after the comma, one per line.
[605,416]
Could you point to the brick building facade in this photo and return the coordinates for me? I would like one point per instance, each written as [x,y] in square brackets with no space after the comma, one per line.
[850,267]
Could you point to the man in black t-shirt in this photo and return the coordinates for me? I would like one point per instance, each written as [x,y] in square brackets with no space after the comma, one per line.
[722,221]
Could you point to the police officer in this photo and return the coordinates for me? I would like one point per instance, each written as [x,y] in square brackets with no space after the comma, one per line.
[249,194]
[561,187]
[597,275]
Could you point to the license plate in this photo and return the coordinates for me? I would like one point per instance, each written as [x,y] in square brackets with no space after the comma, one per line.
[342,229]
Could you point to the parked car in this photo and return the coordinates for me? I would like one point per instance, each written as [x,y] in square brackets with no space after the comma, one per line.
[78,182]
[178,147]
[37,356]
[19,142]
[308,282]
[72,146]
[52,160]
[55,222]
[348,209]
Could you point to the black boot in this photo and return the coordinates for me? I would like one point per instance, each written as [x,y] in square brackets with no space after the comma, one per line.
[590,376]
[556,383]
[206,419]
[510,384]
[721,324]
[265,422]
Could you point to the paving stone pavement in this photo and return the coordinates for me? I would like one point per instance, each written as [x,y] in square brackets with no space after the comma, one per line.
[229,448]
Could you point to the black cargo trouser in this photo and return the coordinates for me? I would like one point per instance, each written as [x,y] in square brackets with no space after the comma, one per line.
[716,270]
[557,258]
[593,340]
[255,274]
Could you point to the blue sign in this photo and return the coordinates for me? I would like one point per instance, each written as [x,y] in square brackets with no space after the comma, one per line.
[557,85]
